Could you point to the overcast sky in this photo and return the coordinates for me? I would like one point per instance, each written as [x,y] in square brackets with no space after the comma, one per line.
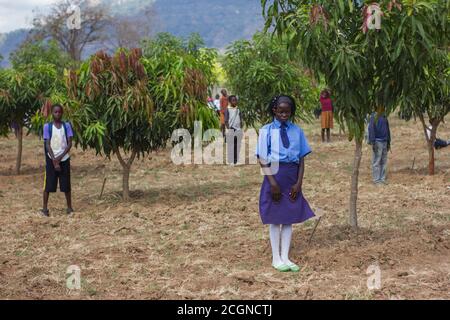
[15,14]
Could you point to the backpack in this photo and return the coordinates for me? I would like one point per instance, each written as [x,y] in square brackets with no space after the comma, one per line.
[439,144]
[50,132]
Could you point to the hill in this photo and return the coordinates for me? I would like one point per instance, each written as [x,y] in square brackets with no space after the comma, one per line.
[219,22]
[9,42]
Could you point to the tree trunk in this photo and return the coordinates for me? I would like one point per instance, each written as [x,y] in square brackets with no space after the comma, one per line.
[19,148]
[74,50]
[430,146]
[353,218]
[126,166]
[126,184]
[430,141]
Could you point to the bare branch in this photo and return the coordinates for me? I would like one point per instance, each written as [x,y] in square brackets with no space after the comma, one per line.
[94,22]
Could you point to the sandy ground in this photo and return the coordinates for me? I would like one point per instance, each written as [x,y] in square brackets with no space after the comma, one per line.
[194,232]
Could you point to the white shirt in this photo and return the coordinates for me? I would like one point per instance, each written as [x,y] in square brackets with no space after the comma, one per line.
[234,120]
[217,104]
[58,142]
[428,132]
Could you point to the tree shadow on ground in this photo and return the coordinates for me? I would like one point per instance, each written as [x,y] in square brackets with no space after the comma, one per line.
[181,194]
[336,235]
[422,171]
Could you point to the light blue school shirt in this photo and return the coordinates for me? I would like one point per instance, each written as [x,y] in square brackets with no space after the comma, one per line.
[270,147]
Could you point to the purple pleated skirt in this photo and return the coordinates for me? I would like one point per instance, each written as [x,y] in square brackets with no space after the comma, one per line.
[286,211]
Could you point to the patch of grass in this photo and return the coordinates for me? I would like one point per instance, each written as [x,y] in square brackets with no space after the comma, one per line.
[21,253]
[309,224]
[153,286]
[322,156]
[357,295]
[348,168]
[185,226]
[88,288]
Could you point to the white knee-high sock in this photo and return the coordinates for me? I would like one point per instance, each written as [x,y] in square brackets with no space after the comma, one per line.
[274,231]
[286,236]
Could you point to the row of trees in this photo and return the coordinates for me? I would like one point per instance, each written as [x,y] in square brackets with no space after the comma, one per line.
[129,104]
[404,64]
[126,104]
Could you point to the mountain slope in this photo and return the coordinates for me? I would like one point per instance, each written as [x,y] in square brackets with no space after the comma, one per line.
[219,22]
[9,42]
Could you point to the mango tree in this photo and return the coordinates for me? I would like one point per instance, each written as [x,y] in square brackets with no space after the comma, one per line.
[112,110]
[181,71]
[41,52]
[422,65]
[333,39]
[260,69]
[4,127]
[23,90]
[128,105]
[35,53]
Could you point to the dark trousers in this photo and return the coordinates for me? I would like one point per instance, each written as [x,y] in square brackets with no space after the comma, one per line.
[52,176]
[234,141]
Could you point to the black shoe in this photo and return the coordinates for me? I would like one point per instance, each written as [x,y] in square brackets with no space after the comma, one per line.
[45,213]
[69,211]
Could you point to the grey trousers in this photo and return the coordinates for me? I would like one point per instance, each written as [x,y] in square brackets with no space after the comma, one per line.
[379,161]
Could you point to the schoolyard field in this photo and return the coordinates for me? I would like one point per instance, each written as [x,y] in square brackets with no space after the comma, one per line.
[194,232]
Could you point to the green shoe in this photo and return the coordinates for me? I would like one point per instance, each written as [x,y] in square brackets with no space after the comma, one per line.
[282,268]
[293,267]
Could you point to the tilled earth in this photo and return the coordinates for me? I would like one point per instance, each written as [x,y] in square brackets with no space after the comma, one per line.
[194,232]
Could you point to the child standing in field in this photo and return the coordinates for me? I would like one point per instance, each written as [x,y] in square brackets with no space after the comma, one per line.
[217,104]
[327,114]
[380,139]
[282,147]
[58,142]
[233,123]
[223,108]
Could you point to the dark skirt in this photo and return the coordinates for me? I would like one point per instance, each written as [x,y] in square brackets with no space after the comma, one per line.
[286,211]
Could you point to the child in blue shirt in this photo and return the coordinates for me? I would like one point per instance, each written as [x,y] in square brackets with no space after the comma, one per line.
[380,138]
[282,147]
[58,142]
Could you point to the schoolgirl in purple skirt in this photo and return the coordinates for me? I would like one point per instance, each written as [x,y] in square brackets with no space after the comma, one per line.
[282,147]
